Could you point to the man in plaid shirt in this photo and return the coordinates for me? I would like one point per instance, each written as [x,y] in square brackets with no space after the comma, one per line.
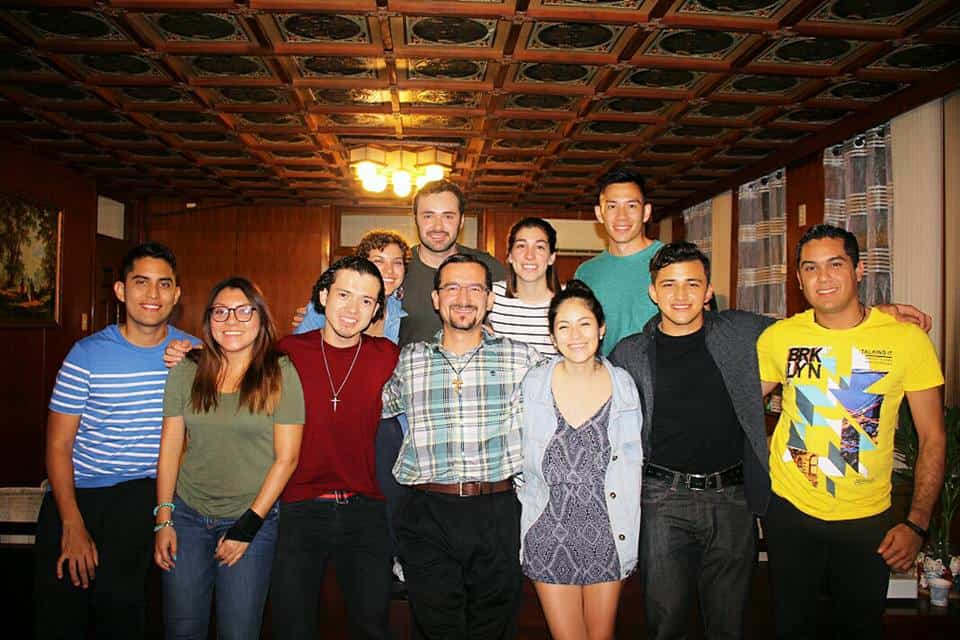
[459,531]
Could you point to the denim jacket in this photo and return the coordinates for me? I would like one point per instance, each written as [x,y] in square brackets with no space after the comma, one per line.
[622,481]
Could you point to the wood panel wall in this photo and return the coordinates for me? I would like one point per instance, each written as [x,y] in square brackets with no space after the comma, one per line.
[32,357]
[281,248]
[805,186]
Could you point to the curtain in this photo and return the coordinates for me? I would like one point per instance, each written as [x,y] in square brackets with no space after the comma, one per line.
[762,245]
[698,222]
[859,197]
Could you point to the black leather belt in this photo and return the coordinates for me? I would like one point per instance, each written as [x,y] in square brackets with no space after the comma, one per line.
[696,481]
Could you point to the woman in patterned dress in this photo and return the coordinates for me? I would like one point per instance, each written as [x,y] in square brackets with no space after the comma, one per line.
[582,460]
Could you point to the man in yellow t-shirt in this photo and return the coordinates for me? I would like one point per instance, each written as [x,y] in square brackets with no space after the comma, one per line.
[845,369]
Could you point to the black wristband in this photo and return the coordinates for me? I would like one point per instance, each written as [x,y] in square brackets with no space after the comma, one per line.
[917,529]
[245,528]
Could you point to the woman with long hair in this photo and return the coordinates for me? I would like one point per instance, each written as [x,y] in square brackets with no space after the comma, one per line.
[582,461]
[523,299]
[233,421]
[390,253]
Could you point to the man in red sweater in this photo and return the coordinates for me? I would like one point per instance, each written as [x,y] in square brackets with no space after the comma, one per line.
[332,508]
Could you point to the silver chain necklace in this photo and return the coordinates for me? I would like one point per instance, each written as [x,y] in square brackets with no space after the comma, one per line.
[336,392]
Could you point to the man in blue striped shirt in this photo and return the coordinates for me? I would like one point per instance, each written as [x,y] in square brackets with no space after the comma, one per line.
[94,531]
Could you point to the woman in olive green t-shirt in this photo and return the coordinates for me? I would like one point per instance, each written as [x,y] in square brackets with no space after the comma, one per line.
[237,405]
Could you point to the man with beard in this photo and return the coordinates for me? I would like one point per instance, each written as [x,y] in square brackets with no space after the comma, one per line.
[332,507]
[438,212]
[95,531]
[459,530]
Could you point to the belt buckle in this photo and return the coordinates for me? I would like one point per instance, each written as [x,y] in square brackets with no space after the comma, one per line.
[460,493]
[690,476]
[341,497]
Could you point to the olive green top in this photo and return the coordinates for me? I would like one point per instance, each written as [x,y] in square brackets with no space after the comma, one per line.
[229,450]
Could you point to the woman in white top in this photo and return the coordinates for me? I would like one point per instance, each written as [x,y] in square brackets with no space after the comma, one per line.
[523,299]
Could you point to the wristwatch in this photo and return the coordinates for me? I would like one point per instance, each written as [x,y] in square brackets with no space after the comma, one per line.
[917,529]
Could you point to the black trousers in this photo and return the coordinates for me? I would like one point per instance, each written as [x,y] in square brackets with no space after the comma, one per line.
[808,555]
[352,535]
[119,520]
[461,561]
[388,441]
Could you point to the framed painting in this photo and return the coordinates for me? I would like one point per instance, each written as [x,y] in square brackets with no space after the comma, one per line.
[30,250]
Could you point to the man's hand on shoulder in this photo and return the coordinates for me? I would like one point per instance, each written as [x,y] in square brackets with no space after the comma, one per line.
[899,547]
[298,317]
[176,350]
[908,313]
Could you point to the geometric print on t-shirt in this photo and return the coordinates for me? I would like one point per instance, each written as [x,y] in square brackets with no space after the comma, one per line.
[857,430]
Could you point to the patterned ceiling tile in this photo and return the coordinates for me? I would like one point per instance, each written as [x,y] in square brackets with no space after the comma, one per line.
[269,119]
[812,115]
[433,98]
[606,4]
[775,136]
[539,102]
[878,12]
[222,66]
[252,96]
[56,93]
[596,146]
[738,8]
[432,69]
[56,24]
[632,106]
[861,91]
[919,57]
[323,27]
[154,95]
[119,65]
[583,37]
[26,63]
[740,153]
[672,149]
[695,131]
[808,52]
[725,110]
[350,97]
[206,137]
[556,74]
[528,126]
[178,118]
[97,118]
[519,144]
[767,85]
[432,31]
[693,43]
[674,79]
[283,139]
[364,120]
[436,122]
[609,128]
[197,27]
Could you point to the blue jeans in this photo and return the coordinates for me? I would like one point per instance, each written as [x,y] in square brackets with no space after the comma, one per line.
[696,546]
[241,590]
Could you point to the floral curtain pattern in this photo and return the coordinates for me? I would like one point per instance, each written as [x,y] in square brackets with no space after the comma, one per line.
[859,197]
[698,221]
[762,246]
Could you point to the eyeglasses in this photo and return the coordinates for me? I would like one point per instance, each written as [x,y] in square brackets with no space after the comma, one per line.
[243,313]
[453,289]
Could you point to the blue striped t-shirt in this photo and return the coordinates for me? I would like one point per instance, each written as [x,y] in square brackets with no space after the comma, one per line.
[116,388]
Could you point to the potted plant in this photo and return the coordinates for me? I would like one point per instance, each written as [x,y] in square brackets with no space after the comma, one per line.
[937,554]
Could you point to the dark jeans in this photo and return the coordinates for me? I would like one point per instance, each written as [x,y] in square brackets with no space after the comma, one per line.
[118,519]
[354,537]
[695,546]
[461,560]
[241,590]
[387,443]
[807,554]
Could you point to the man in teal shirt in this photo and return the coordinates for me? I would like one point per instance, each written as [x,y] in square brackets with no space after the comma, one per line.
[620,276]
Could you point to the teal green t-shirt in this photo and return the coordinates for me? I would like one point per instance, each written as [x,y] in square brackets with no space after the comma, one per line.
[229,450]
[621,285]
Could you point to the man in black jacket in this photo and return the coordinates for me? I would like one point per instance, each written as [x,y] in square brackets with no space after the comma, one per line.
[705,448]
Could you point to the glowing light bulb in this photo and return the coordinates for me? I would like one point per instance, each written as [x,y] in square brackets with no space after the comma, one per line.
[422,180]
[375,184]
[402,189]
[366,170]
[433,172]
[401,178]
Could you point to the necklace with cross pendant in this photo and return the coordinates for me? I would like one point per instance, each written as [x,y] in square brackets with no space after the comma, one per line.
[457,382]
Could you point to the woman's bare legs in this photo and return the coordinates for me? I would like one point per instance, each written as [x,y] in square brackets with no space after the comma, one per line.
[577,612]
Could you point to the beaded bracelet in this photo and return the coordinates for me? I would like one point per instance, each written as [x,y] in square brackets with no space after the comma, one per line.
[157,508]
[165,523]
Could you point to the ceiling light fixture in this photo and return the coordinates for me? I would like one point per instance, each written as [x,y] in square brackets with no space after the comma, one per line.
[404,169]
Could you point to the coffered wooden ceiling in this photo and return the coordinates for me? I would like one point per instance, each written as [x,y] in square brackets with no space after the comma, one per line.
[262,99]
